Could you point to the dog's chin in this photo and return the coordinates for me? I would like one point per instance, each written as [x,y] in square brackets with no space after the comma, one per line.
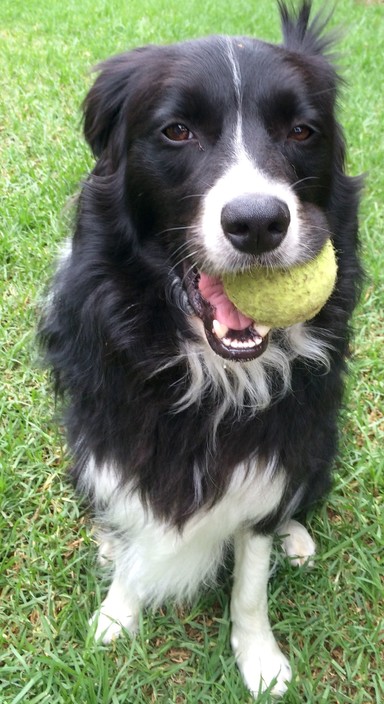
[238,345]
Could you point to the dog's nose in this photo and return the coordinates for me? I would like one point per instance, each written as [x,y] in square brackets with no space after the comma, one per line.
[255,223]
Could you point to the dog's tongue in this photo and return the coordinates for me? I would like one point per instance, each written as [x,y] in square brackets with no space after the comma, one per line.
[211,288]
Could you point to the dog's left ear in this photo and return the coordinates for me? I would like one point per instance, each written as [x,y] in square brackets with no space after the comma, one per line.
[103,106]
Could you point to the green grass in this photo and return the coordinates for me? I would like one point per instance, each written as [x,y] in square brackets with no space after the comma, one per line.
[327,618]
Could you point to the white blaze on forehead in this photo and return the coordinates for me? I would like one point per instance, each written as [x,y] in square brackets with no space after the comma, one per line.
[242,177]
[235,68]
[236,76]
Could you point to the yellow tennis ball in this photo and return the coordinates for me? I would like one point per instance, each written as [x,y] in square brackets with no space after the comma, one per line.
[278,298]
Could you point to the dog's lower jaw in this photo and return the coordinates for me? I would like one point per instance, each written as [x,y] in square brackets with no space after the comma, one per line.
[259,658]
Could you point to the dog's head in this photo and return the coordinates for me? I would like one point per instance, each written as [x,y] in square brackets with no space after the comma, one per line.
[221,154]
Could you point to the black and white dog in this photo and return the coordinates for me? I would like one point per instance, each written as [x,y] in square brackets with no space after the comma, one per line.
[192,427]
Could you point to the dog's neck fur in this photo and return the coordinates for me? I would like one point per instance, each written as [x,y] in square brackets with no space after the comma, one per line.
[248,385]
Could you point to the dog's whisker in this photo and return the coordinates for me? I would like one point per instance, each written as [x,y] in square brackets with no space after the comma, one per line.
[183,246]
[192,195]
[184,258]
[306,178]
[178,228]
[188,271]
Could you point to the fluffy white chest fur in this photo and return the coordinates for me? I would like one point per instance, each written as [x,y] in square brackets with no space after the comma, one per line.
[157,561]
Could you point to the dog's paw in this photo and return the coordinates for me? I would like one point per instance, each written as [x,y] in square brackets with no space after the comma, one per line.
[297,544]
[105,556]
[261,663]
[106,624]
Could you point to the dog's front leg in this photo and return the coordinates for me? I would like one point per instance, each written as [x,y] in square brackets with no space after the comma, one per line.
[120,609]
[258,656]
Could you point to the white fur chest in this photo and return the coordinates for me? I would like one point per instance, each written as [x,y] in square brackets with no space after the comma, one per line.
[158,561]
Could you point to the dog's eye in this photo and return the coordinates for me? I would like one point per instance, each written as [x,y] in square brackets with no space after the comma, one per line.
[178,133]
[299,133]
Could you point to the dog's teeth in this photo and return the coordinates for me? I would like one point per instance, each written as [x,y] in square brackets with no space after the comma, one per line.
[247,344]
[219,329]
[235,344]
[260,330]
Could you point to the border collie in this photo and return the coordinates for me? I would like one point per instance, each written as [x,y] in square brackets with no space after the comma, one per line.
[192,428]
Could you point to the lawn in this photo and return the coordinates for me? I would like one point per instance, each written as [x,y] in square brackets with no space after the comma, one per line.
[328,618]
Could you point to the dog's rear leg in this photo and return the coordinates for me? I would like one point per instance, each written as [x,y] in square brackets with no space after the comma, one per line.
[120,609]
[258,656]
[297,543]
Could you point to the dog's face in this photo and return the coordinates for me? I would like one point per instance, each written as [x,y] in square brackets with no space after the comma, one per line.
[223,154]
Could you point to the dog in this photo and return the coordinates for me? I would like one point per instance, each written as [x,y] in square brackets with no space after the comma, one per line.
[194,429]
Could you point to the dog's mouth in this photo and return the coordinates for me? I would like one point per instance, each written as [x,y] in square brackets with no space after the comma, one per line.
[229,332]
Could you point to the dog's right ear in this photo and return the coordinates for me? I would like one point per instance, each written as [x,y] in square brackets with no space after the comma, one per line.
[103,106]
